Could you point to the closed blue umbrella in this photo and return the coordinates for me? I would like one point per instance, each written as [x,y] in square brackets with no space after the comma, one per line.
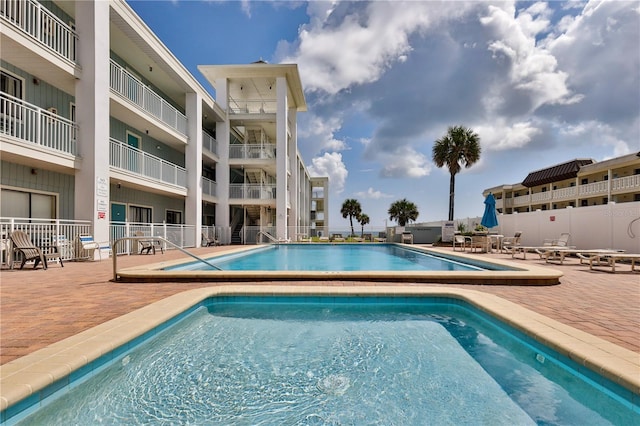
[489,218]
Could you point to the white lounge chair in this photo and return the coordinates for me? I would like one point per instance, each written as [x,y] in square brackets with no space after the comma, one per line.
[461,241]
[610,259]
[508,243]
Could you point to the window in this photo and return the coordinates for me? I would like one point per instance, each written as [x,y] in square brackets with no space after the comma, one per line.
[584,181]
[173,217]
[584,203]
[140,214]
[27,204]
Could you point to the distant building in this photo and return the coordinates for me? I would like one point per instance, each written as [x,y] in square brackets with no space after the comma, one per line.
[575,183]
[100,122]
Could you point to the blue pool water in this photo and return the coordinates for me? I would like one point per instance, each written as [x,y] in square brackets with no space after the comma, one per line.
[328,361]
[339,257]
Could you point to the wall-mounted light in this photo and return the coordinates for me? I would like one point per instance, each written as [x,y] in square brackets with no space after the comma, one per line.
[150,69]
[34,171]
[119,186]
[36,81]
[240,87]
[147,131]
[158,147]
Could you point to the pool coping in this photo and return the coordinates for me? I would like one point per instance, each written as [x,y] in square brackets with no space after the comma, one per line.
[516,275]
[25,377]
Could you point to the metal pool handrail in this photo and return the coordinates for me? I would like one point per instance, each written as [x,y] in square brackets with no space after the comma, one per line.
[153,239]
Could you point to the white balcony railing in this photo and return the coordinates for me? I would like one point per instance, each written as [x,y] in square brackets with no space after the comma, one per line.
[252,106]
[252,151]
[594,188]
[134,160]
[209,187]
[521,200]
[34,19]
[30,123]
[209,143]
[626,183]
[539,197]
[128,86]
[252,191]
[568,193]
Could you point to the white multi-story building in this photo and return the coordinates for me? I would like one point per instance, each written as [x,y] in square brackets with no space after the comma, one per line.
[101,124]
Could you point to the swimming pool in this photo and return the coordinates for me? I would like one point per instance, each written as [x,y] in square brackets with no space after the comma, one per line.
[366,262]
[338,257]
[328,360]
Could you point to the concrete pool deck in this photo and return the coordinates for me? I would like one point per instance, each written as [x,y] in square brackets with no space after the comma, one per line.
[592,316]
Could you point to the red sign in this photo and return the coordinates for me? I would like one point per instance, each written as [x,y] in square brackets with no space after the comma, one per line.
[552,218]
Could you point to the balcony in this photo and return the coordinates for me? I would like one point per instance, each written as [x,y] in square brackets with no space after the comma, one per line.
[209,187]
[593,189]
[133,160]
[252,191]
[40,24]
[209,143]
[32,124]
[252,151]
[128,86]
[627,183]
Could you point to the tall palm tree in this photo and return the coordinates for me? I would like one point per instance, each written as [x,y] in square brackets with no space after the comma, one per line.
[403,211]
[363,219]
[351,208]
[459,147]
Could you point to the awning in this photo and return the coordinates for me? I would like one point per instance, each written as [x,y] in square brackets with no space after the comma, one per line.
[555,173]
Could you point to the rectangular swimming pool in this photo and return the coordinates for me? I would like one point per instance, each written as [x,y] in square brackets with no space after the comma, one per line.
[338,257]
[334,360]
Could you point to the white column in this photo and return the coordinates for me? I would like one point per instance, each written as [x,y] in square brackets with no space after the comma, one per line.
[92,108]
[222,168]
[294,166]
[281,157]
[193,164]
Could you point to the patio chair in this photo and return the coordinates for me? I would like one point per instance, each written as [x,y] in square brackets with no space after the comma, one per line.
[86,247]
[337,237]
[508,243]
[407,238]
[561,241]
[148,246]
[481,243]
[461,241]
[22,244]
[208,241]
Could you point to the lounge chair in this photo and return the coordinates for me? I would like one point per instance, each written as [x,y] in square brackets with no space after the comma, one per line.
[22,244]
[561,241]
[208,241]
[609,259]
[337,238]
[461,241]
[558,254]
[508,243]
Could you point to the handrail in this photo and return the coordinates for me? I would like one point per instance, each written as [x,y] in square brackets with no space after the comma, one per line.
[268,235]
[146,238]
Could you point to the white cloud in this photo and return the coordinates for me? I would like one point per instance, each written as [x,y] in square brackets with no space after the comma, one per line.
[501,136]
[370,193]
[331,165]
[594,133]
[533,69]
[318,133]
[405,163]
[348,44]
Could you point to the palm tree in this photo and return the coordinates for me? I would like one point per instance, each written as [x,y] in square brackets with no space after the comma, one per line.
[351,208]
[363,219]
[403,211]
[459,147]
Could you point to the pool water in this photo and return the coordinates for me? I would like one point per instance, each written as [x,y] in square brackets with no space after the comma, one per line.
[240,362]
[339,257]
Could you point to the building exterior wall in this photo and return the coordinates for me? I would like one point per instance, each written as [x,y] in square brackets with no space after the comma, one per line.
[84,158]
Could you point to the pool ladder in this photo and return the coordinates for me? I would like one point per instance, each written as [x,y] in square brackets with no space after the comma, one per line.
[153,240]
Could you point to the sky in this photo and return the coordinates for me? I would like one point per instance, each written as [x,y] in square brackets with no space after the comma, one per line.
[541,83]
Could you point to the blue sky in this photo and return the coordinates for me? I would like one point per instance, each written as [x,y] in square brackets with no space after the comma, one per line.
[540,82]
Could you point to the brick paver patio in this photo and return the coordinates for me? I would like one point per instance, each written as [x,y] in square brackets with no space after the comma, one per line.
[40,307]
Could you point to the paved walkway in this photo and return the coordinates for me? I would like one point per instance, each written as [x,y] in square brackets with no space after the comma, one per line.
[40,307]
